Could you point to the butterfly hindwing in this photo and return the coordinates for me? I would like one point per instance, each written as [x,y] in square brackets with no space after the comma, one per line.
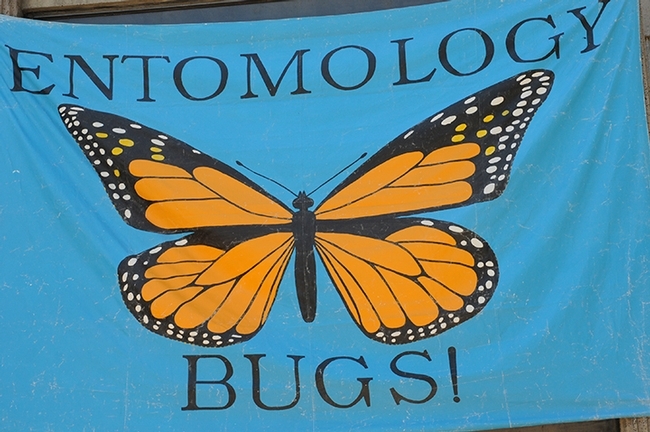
[457,157]
[160,184]
[408,279]
[204,291]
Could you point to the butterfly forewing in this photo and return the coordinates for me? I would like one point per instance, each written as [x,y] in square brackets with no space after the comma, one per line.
[457,157]
[160,184]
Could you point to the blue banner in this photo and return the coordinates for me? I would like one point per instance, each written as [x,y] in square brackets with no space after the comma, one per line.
[428,218]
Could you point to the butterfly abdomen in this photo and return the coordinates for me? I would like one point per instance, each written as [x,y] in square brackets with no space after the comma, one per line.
[304,230]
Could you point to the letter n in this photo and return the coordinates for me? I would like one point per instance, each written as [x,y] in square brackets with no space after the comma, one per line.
[107,90]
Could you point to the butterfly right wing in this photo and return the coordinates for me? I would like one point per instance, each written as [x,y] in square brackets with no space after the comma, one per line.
[160,184]
[203,290]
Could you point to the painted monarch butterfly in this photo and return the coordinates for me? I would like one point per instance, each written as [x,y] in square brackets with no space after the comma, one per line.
[402,279]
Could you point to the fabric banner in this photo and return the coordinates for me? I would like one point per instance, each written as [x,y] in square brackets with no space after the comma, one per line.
[428,218]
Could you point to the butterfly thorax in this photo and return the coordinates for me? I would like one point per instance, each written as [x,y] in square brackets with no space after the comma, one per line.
[303,226]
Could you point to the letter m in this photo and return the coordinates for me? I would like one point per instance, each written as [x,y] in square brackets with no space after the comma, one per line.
[273,87]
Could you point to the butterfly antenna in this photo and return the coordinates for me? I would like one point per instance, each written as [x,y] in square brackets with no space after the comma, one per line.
[267,178]
[335,175]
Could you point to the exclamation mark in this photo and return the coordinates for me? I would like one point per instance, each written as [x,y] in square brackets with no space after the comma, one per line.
[454,372]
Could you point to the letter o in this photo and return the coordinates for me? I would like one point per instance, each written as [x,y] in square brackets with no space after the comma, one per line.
[178,78]
[444,59]
[325,67]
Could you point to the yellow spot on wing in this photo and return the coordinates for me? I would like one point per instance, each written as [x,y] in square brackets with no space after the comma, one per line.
[461,127]
[117,151]
[101,135]
[158,157]
[489,150]
[481,133]
[126,142]
[488,118]
[155,149]
[457,138]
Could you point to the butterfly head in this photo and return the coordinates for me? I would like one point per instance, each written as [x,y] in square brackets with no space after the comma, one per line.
[302,202]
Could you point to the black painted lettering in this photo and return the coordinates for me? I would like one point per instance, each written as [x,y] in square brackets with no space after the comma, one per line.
[397,397]
[145,73]
[268,82]
[107,90]
[36,71]
[370,71]
[511,41]
[444,57]
[589,28]
[364,393]
[255,363]
[180,86]
[403,72]
[192,382]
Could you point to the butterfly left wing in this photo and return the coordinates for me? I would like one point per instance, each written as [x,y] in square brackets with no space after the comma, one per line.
[206,290]
[404,280]
[457,157]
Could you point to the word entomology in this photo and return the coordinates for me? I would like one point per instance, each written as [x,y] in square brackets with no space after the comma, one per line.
[28,64]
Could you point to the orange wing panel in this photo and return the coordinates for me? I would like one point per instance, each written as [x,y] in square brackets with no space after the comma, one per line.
[437,174]
[395,200]
[204,213]
[420,233]
[240,195]
[194,253]
[456,277]
[170,301]
[419,307]
[164,189]
[155,287]
[452,153]
[147,168]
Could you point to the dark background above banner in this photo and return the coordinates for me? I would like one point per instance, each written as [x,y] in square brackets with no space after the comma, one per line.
[175,12]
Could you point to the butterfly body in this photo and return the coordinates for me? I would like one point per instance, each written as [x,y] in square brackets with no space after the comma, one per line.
[402,277]
[303,224]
